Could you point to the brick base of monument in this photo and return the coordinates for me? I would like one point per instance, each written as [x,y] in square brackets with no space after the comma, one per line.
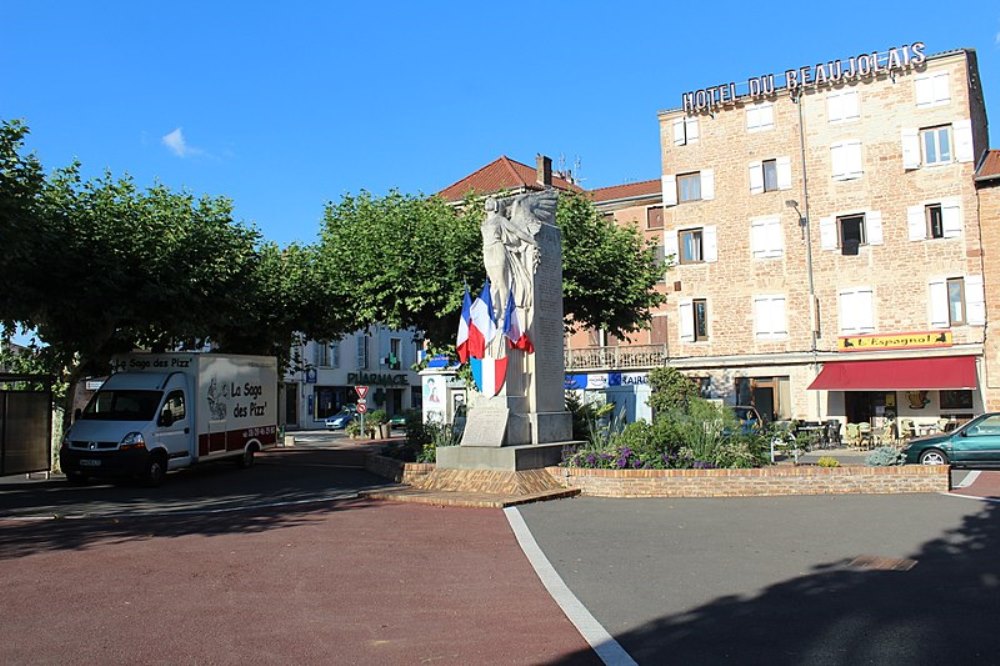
[502,458]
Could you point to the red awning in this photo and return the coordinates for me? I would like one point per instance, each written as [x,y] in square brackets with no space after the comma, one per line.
[912,374]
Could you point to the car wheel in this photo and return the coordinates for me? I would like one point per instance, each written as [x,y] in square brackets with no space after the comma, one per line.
[933,457]
[247,459]
[76,478]
[156,470]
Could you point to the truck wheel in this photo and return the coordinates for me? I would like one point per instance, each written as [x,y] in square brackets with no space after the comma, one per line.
[247,459]
[76,478]
[156,470]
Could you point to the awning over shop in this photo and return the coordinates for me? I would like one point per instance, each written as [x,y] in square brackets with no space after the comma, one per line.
[912,374]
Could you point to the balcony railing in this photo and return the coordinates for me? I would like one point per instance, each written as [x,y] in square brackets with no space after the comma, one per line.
[615,358]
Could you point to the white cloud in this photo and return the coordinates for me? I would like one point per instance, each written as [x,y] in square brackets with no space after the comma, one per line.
[178,145]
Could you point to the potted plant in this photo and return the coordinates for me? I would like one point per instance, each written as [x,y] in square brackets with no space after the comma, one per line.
[377,423]
[353,428]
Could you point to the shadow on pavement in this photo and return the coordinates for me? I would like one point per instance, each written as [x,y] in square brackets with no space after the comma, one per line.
[942,610]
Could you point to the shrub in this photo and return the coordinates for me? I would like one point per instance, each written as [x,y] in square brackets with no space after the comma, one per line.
[417,434]
[671,390]
[827,461]
[885,456]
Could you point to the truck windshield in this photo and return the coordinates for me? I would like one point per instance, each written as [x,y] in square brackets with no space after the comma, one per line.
[123,405]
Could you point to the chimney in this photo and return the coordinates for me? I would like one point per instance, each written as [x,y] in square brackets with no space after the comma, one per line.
[543,170]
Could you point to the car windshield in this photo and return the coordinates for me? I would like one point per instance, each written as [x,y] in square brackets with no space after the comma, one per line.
[122,406]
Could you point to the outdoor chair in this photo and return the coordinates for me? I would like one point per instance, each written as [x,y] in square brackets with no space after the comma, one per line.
[864,436]
[833,433]
[905,429]
[852,434]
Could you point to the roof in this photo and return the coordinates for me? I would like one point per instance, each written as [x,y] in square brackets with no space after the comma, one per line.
[502,174]
[989,168]
[642,189]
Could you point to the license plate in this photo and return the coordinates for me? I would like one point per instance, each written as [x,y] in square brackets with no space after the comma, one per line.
[90,463]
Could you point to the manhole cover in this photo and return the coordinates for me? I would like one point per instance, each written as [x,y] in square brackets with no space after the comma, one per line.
[879,563]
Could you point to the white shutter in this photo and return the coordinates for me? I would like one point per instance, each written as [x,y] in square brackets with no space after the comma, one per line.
[924,91]
[962,131]
[691,126]
[864,308]
[784,165]
[828,233]
[835,106]
[753,116]
[756,178]
[685,320]
[760,317]
[766,116]
[849,105]
[951,217]
[939,304]
[709,243]
[839,166]
[680,138]
[671,246]
[916,223]
[911,148]
[707,184]
[775,239]
[779,321]
[758,238]
[669,190]
[975,301]
[853,159]
[846,306]
[941,88]
[873,227]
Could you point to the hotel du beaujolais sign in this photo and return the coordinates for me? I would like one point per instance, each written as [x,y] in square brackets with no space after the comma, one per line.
[855,68]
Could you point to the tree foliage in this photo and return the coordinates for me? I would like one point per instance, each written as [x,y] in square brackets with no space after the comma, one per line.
[671,390]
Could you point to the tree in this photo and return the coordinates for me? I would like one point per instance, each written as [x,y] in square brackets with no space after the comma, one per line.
[404,261]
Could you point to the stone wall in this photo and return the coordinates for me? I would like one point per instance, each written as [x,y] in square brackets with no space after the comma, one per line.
[764,482]
[398,471]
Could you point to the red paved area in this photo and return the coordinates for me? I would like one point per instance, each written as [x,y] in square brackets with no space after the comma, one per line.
[355,582]
[986,485]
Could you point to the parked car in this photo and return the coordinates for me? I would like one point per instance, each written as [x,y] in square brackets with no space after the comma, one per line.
[977,443]
[340,420]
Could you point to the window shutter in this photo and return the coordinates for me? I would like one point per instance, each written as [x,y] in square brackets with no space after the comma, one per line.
[752,118]
[761,311]
[854,162]
[911,148]
[864,308]
[669,190]
[848,324]
[775,238]
[873,227]
[839,168]
[916,223]
[686,320]
[849,105]
[766,116]
[940,88]
[835,106]
[784,173]
[975,301]
[708,184]
[680,138]
[671,246]
[951,217]
[939,304]
[756,178]
[691,126]
[924,91]
[758,239]
[962,131]
[828,233]
[779,325]
[709,243]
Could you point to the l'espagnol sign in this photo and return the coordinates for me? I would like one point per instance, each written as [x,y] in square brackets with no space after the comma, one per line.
[855,68]
[918,340]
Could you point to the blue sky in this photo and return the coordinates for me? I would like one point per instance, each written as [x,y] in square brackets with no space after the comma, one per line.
[285,106]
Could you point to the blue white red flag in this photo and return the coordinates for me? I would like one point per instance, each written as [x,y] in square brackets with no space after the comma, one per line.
[512,328]
[489,373]
[462,344]
[482,328]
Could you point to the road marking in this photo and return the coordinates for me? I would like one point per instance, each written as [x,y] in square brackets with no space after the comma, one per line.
[606,647]
[992,500]
[969,479]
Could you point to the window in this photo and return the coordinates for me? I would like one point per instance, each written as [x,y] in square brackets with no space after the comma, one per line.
[935,143]
[760,117]
[685,131]
[395,347]
[175,403]
[659,257]
[935,221]
[957,301]
[843,105]
[851,231]
[956,399]
[327,354]
[766,238]
[939,219]
[771,175]
[654,217]
[362,357]
[689,187]
[932,89]
[693,317]
[698,185]
[857,311]
[846,160]
[691,246]
[769,321]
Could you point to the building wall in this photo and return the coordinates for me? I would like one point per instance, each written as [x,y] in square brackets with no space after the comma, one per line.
[989,213]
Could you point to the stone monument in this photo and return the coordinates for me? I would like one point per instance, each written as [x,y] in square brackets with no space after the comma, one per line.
[518,419]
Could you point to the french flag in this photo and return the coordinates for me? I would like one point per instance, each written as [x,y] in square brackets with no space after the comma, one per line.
[482,328]
[462,345]
[490,374]
[512,328]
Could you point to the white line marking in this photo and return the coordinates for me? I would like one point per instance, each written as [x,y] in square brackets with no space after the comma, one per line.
[992,500]
[969,479]
[606,647]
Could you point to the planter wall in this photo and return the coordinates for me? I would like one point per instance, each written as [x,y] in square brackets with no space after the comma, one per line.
[768,481]
[398,471]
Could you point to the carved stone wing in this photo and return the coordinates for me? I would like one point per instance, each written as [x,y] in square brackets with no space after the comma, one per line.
[530,211]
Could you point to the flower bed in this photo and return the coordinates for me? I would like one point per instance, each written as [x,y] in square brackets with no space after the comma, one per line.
[761,482]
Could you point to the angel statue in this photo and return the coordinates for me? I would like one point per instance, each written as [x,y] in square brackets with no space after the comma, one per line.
[510,251]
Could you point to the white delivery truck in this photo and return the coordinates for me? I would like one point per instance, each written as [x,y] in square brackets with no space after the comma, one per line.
[159,412]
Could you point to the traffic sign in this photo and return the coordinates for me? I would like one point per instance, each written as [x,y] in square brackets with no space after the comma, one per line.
[362,391]
[362,407]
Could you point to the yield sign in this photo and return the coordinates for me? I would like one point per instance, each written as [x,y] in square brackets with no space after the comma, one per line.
[362,391]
